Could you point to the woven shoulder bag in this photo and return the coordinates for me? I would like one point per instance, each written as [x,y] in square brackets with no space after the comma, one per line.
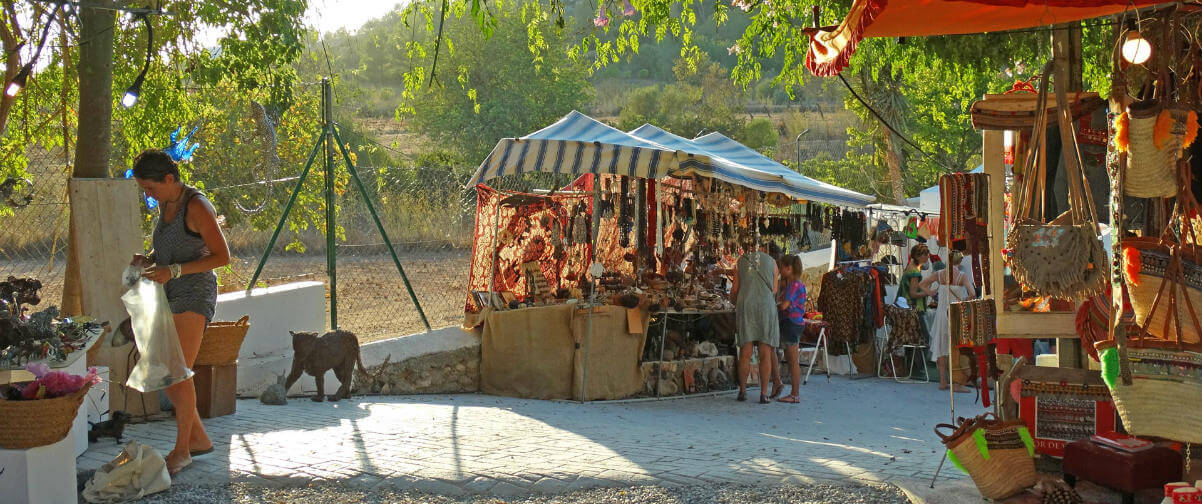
[1062,257]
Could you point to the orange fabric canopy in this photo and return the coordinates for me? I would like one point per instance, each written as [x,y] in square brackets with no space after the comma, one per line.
[831,48]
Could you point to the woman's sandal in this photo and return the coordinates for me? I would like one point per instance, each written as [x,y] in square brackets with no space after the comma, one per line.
[764,400]
[742,397]
[776,390]
[197,453]
[173,470]
[789,399]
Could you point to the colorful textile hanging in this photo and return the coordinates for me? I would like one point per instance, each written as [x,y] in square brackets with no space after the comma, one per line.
[965,205]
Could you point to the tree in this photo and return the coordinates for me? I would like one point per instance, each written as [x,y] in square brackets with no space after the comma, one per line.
[262,39]
[487,88]
[939,76]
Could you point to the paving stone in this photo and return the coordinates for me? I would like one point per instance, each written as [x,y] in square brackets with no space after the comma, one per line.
[474,443]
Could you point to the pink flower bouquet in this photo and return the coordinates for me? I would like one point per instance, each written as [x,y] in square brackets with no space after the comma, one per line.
[50,384]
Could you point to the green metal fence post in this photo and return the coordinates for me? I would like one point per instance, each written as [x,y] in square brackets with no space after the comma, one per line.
[371,208]
[327,112]
[300,182]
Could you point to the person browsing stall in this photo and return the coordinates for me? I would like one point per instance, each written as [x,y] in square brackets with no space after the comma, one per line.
[188,246]
[792,308]
[754,292]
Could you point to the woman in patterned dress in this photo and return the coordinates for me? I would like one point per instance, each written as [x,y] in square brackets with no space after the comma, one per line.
[188,246]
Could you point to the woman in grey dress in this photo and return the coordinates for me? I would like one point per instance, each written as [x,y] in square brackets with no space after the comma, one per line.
[754,293]
[188,246]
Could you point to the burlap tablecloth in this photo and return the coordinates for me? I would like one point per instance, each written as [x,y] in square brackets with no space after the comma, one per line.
[539,353]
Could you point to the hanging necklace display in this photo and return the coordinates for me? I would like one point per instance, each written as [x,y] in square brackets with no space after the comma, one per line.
[626,214]
[607,203]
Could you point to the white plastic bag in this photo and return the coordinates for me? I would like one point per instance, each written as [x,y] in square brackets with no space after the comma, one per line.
[160,359]
[137,472]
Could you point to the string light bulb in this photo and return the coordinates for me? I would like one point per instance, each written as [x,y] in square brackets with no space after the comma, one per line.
[18,82]
[135,90]
[1136,49]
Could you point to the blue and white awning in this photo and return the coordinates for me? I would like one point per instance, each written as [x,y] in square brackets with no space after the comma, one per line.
[579,144]
[738,164]
[717,144]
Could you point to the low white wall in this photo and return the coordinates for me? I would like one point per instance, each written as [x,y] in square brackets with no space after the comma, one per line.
[267,350]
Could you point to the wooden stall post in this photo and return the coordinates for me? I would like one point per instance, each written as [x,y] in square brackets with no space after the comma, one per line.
[107,221]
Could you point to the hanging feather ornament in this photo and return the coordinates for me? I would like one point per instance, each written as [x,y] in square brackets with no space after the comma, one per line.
[1191,128]
[1122,132]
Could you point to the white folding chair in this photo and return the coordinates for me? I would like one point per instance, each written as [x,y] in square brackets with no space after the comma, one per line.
[813,349]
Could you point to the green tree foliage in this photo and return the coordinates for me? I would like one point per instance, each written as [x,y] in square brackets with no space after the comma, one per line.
[487,88]
[233,92]
[938,77]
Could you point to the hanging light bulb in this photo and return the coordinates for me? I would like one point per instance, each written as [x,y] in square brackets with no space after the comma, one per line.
[135,90]
[1136,49]
[18,82]
[14,86]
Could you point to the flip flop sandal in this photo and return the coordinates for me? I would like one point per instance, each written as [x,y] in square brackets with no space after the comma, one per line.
[195,453]
[764,400]
[742,397]
[176,470]
[789,400]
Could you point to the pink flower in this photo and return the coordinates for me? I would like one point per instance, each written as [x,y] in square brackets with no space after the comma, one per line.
[39,369]
[51,384]
[602,20]
[628,10]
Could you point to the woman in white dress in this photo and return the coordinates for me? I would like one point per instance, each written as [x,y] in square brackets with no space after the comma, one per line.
[954,286]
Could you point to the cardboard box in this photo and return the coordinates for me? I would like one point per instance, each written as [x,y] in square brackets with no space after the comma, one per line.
[216,390]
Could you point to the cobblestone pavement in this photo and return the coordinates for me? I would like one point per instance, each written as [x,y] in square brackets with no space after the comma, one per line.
[845,431]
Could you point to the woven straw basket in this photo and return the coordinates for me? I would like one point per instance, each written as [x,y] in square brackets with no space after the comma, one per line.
[221,342]
[1154,259]
[998,456]
[41,422]
[1159,405]
[1152,172]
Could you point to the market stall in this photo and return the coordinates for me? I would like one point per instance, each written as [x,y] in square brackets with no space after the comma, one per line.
[651,224]
[1042,212]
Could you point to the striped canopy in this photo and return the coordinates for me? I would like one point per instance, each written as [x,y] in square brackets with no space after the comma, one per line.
[579,144]
[738,164]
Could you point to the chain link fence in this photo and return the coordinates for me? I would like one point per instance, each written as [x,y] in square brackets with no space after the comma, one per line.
[34,218]
[428,218]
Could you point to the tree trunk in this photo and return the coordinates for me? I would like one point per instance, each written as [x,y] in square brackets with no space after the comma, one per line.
[94,143]
[893,160]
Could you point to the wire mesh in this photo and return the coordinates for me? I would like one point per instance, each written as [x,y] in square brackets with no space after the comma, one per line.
[34,220]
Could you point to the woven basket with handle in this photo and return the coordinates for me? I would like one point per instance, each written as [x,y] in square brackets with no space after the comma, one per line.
[998,456]
[221,342]
[39,422]
[1164,398]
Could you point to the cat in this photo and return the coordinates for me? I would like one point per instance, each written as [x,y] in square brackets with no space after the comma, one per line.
[114,428]
[337,350]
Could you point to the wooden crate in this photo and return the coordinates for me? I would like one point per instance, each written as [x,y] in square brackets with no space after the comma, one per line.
[216,390]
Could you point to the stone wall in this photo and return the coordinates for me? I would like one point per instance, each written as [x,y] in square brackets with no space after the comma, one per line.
[708,374]
[446,372]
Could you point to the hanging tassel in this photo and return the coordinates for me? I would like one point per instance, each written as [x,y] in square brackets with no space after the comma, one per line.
[1132,264]
[1122,132]
[1191,128]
